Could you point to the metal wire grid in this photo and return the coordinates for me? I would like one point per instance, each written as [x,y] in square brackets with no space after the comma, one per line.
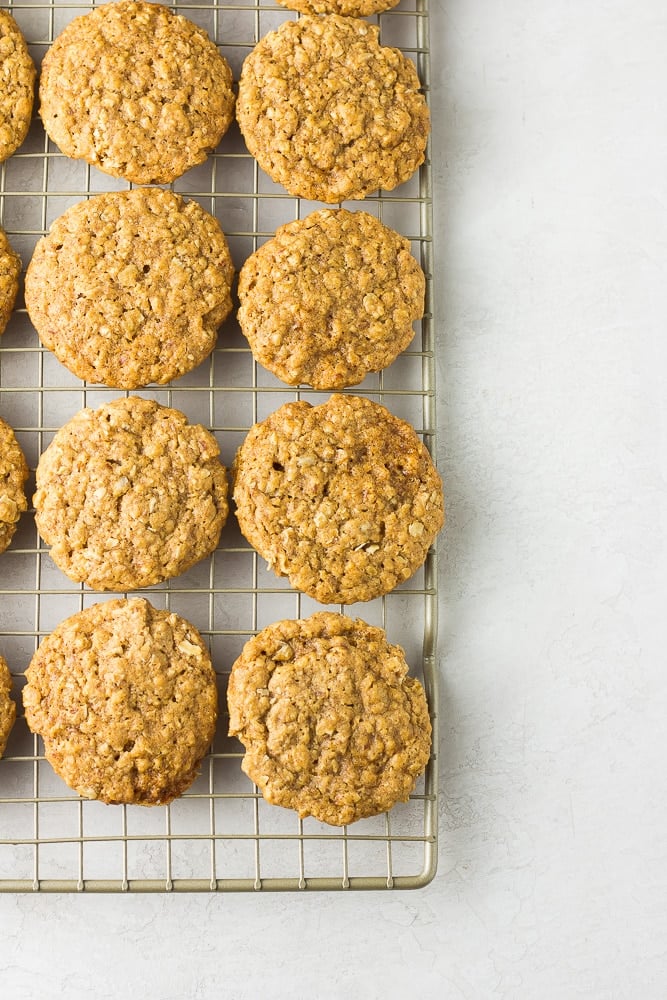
[220,835]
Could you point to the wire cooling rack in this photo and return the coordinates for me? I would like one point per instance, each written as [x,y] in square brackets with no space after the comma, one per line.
[220,835]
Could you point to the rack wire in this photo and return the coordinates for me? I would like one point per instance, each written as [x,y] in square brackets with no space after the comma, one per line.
[220,835]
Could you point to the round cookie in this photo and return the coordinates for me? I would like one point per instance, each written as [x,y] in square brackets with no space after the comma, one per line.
[130,287]
[342,498]
[124,697]
[17,86]
[330,113]
[330,298]
[136,90]
[10,269]
[348,8]
[7,706]
[332,725]
[129,495]
[13,474]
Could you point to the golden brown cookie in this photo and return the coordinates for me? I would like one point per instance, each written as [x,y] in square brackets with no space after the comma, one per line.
[130,287]
[348,8]
[342,498]
[330,298]
[332,725]
[136,90]
[13,474]
[10,269]
[330,113]
[17,86]
[124,697]
[7,706]
[130,494]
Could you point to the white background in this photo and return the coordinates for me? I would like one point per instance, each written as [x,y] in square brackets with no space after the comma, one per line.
[550,142]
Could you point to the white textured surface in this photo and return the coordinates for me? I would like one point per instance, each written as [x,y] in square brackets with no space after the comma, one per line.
[550,159]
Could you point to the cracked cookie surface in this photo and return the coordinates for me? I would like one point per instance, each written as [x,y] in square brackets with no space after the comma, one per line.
[13,474]
[332,724]
[124,697]
[130,287]
[7,706]
[137,91]
[342,498]
[330,298]
[10,269]
[330,113]
[348,8]
[130,494]
[17,86]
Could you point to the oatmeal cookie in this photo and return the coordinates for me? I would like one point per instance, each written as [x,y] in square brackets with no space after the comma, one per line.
[7,706]
[130,494]
[13,474]
[330,298]
[130,287]
[330,113]
[332,725]
[17,86]
[348,8]
[342,498]
[124,697]
[136,90]
[10,269]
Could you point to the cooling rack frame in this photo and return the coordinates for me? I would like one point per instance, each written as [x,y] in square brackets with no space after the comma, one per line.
[221,835]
